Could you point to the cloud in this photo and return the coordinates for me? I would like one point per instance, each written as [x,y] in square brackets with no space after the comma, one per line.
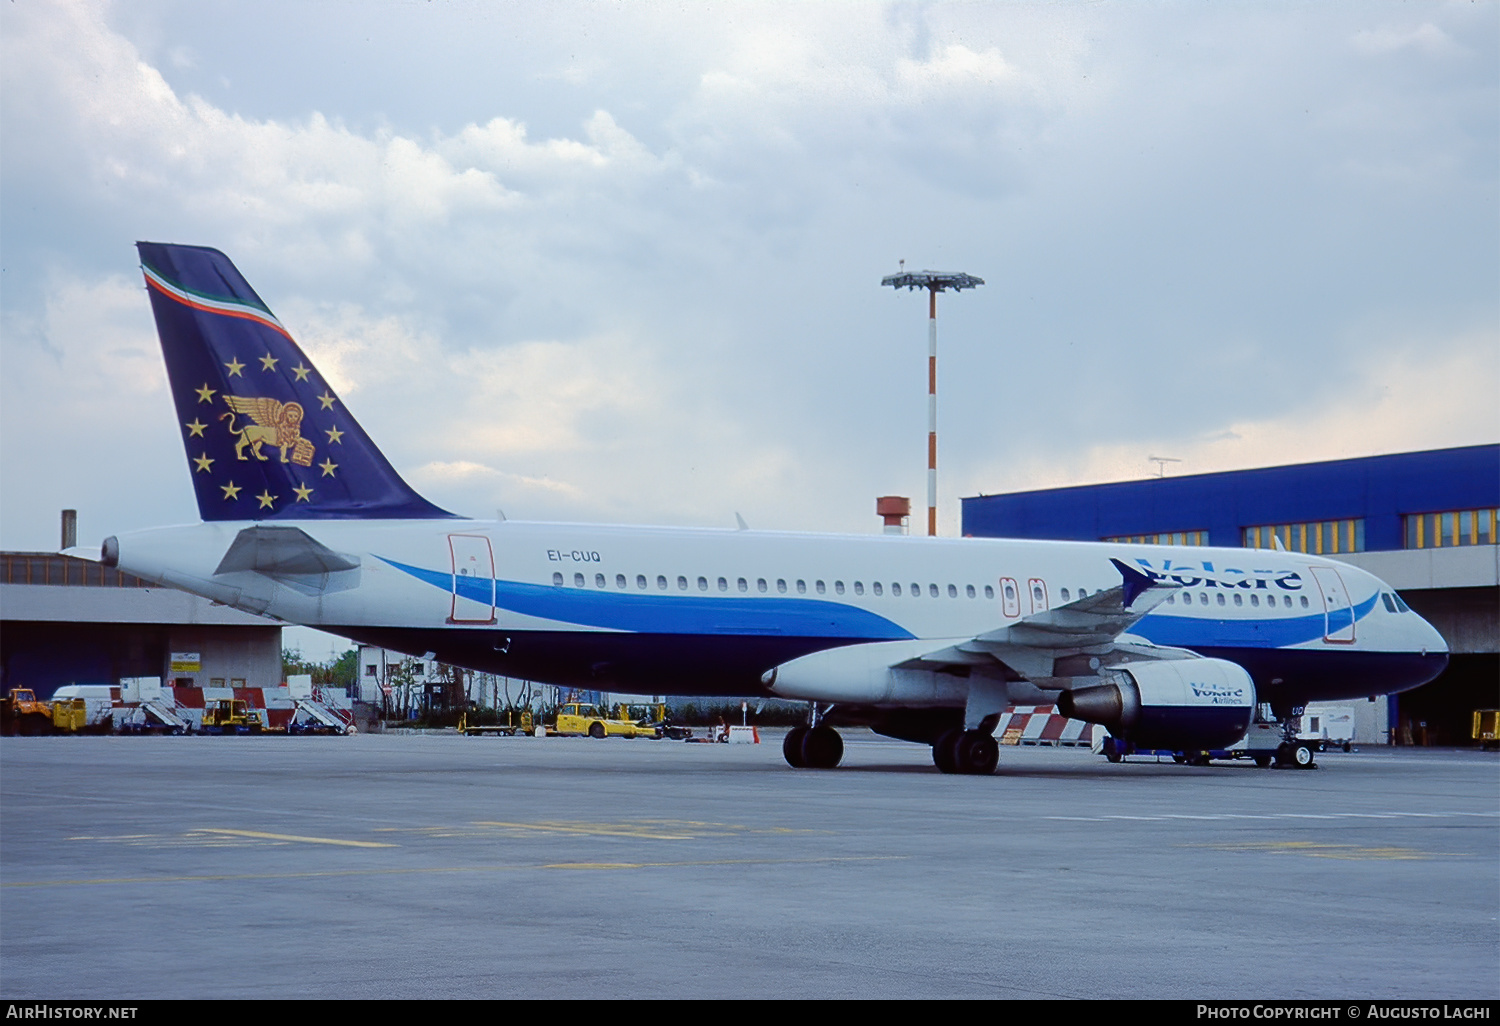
[1431,395]
[1426,39]
[622,263]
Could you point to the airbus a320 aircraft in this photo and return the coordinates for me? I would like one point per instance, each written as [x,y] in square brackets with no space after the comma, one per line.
[923,639]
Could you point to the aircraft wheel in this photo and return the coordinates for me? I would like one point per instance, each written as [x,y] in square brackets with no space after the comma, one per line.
[791,747]
[596,730]
[977,753]
[822,748]
[945,750]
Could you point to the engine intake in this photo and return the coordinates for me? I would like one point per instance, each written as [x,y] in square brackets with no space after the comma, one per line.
[1181,704]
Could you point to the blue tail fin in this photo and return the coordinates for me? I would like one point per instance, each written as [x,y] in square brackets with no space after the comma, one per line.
[266,438]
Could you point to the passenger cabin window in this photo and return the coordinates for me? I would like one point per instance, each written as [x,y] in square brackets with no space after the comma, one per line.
[969,591]
[760,585]
[619,581]
[1064,594]
[661,582]
[578,580]
[859,587]
[599,580]
[640,581]
[989,591]
[557,580]
[781,586]
[681,583]
[952,591]
[801,587]
[703,584]
[896,590]
[724,585]
[916,591]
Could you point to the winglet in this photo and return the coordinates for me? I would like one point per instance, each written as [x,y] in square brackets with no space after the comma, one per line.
[1134,582]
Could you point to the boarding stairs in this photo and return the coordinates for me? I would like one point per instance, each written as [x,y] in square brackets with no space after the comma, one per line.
[166,715]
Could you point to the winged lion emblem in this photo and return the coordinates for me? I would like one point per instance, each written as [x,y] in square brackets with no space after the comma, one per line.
[275,423]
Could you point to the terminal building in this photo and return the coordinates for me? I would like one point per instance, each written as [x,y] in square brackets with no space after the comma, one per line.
[1424,522]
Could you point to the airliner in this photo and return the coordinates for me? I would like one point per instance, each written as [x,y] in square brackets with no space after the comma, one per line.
[924,639]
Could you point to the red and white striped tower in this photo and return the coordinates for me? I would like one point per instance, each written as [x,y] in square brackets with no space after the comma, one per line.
[934,282]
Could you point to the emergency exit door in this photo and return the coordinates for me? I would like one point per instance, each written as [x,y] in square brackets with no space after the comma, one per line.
[1338,610]
[473,579]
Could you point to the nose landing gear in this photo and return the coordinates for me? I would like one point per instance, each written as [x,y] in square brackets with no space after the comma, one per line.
[817,746]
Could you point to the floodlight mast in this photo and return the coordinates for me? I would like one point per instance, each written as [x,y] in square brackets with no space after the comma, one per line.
[934,282]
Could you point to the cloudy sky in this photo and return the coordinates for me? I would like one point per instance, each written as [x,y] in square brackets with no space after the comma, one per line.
[622,261]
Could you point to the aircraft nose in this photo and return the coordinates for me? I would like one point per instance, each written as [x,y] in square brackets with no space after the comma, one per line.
[1433,640]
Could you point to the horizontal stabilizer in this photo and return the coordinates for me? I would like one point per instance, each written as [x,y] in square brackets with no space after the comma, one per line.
[281,552]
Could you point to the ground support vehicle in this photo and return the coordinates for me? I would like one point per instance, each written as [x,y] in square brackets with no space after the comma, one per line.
[1487,728]
[1265,744]
[510,728]
[579,718]
[231,716]
[655,717]
[22,714]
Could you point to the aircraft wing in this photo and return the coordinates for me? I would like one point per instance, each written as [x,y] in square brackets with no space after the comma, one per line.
[1054,647]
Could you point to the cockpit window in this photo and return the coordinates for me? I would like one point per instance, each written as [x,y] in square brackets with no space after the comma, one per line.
[1390,603]
[1400,604]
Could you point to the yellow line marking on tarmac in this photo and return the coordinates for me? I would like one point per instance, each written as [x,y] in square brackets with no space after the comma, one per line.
[294,837]
[594,829]
[1324,850]
[647,829]
[335,873]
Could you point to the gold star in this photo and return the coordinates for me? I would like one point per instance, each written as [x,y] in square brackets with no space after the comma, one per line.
[334,435]
[231,490]
[328,467]
[268,362]
[301,372]
[302,493]
[203,463]
[266,499]
[205,394]
[234,367]
[327,400]
[196,427]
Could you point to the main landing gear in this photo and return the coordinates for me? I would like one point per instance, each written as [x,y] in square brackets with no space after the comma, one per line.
[973,752]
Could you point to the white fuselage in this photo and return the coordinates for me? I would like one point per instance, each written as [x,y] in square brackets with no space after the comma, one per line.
[701,611]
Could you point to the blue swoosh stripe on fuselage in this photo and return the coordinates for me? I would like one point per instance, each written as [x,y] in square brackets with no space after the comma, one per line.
[1193,632]
[671,614]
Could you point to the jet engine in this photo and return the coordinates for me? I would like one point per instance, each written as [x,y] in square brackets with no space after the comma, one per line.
[1180,704]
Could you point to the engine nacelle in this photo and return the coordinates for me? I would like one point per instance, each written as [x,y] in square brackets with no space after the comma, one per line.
[866,675]
[1179,704]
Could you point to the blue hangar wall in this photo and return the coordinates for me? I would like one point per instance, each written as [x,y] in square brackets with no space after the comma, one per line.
[1455,589]
[1381,489]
